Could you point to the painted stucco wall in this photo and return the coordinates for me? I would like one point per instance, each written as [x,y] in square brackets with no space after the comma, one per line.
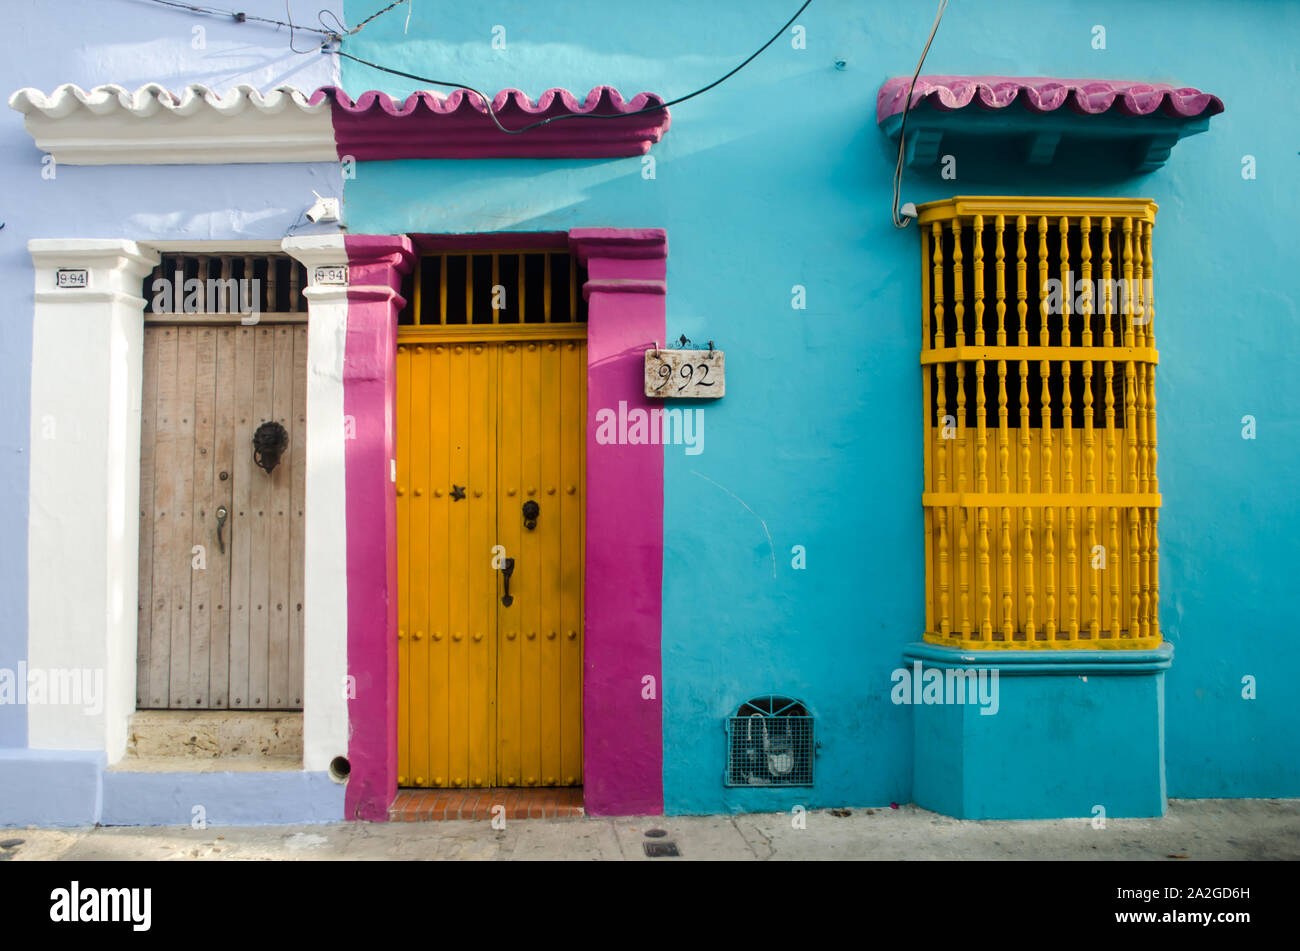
[128,43]
[779,178]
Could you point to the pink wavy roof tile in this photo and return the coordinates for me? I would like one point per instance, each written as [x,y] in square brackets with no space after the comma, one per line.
[1046,94]
[427,124]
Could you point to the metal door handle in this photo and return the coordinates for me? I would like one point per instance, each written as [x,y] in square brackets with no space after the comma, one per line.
[507,569]
[221,521]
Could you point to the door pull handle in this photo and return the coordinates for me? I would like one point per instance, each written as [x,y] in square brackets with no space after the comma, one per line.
[507,569]
[221,521]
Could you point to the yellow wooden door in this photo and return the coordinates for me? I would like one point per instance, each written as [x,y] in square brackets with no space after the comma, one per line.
[489,693]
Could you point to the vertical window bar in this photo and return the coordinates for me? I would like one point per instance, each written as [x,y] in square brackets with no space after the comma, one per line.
[272,299]
[442,289]
[520,293]
[419,291]
[941,452]
[1026,513]
[469,289]
[573,285]
[1155,512]
[958,306]
[546,287]
[963,514]
[1004,438]
[1067,439]
[981,442]
[1151,291]
[233,297]
[496,282]
[203,271]
[1089,454]
[1045,447]
[1112,567]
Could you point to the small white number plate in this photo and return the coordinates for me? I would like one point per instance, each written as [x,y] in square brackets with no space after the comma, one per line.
[72,277]
[337,274]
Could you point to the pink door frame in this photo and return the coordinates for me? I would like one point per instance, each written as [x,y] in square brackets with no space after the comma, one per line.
[622,732]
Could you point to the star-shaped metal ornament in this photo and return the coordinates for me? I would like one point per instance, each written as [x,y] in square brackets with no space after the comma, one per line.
[457,492]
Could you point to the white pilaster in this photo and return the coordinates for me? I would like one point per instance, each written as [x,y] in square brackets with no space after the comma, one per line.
[325,600]
[83,535]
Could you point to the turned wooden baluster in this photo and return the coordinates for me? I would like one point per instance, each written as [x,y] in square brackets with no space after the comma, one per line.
[1089,456]
[1067,440]
[1045,455]
[981,442]
[1131,441]
[1153,483]
[941,450]
[1111,552]
[1026,512]
[1004,436]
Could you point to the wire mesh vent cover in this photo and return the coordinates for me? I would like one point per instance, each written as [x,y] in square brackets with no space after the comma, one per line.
[770,743]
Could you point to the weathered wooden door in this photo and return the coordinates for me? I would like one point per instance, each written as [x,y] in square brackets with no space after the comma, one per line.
[221,540]
[490,682]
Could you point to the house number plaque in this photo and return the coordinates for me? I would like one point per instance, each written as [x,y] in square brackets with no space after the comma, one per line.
[72,277]
[685,374]
[330,274]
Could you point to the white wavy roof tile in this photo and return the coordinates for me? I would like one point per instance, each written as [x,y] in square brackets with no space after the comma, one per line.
[103,126]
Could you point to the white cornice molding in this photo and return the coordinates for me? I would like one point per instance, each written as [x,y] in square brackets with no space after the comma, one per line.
[110,125]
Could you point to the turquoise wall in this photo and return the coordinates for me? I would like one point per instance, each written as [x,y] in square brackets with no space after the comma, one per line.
[780,177]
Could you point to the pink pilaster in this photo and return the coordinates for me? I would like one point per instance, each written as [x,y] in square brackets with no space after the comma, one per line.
[376,265]
[622,721]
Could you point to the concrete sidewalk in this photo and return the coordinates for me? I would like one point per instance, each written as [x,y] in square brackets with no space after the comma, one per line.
[1192,829]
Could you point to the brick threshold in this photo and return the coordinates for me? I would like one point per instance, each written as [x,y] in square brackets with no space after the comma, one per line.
[434,805]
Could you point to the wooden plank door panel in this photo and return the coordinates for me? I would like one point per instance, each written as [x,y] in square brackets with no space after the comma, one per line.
[279,604]
[540,676]
[218,629]
[207,562]
[239,525]
[148,434]
[223,463]
[164,458]
[446,605]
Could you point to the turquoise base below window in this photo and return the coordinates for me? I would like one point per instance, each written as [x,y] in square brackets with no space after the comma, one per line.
[1075,734]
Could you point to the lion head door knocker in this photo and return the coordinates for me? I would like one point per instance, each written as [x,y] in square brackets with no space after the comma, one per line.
[269,443]
[531,511]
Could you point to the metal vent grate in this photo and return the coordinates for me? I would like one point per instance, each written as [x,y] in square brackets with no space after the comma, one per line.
[770,743]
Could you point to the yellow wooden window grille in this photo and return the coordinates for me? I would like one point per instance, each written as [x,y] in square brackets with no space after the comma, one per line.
[1041,500]
[508,289]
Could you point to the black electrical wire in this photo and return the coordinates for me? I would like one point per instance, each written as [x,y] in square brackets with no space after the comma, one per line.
[581,115]
[902,128]
[320,14]
[210,11]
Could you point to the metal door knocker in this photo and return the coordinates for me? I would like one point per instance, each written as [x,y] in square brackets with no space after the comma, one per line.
[531,511]
[269,443]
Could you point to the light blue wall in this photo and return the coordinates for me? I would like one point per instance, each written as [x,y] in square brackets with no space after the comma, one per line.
[130,43]
[780,177]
